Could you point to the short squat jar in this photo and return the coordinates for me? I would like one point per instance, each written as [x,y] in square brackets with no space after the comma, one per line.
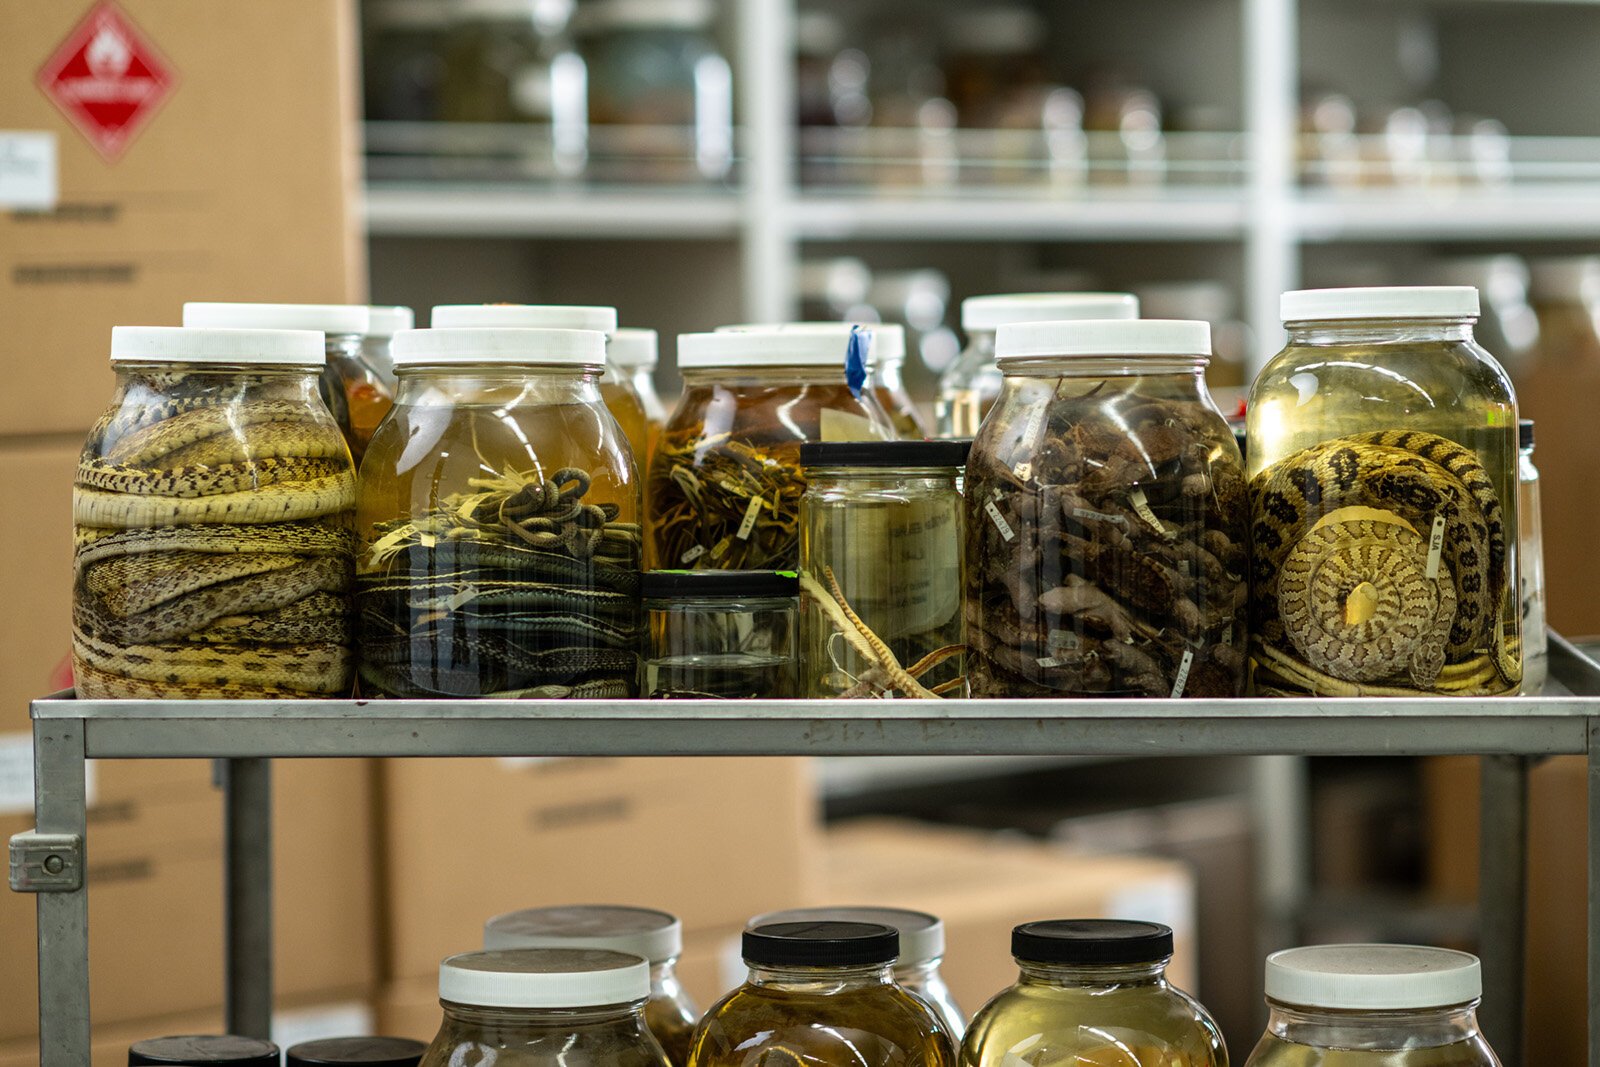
[1372,1006]
[881,548]
[499,523]
[652,935]
[203,1050]
[544,1007]
[1383,501]
[921,949]
[356,1052]
[725,482]
[721,635]
[213,516]
[1093,991]
[1105,502]
[821,992]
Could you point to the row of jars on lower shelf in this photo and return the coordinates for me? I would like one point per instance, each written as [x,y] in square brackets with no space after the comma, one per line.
[596,986]
[1102,538]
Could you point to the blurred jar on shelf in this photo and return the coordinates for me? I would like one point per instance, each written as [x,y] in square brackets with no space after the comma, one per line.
[1507,325]
[914,122]
[1227,375]
[403,44]
[661,86]
[818,39]
[1126,145]
[1330,150]
[835,288]
[995,70]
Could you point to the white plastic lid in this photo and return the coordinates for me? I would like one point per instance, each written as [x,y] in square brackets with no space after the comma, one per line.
[1380,302]
[632,347]
[1376,977]
[988,313]
[1103,337]
[524,316]
[575,347]
[888,338]
[921,934]
[817,345]
[645,932]
[543,978]
[183,344]
[676,14]
[331,319]
[386,321]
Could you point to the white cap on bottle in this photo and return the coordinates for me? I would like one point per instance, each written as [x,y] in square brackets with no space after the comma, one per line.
[819,344]
[632,347]
[331,319]
[543,978]
[888,338]
[1373,977]
[524,316]
[574,347]
[1103,337]
[183,344]
[654,935]
[921,934]
[1380,302]
[388,320]
[986,314]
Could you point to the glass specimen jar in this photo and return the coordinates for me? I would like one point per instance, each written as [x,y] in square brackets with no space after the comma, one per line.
[354,390]
[203,1050]
[886,361]
[544,1007]
[881,544]
[383,322]
[821,992]
[356,1052]
[1105,502]
[499,523]
[615,389]
[721,634]
[1530,566]
[652,935]
[1372,1006]
[212,522]
[921,949]
[632,352]
[1093,991]
[725,483]
[1383,504]
[970,386]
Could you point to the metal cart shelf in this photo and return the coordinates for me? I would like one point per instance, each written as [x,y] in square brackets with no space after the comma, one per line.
[49,861]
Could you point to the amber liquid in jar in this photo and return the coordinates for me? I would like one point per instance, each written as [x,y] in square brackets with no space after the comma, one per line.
[622,400]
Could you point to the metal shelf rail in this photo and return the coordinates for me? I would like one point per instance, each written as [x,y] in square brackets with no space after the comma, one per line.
[49,860]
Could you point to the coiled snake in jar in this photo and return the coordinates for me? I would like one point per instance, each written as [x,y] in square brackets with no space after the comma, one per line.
[1379,566]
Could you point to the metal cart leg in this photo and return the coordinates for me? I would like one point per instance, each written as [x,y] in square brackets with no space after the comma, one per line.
[249,893]
[1503,900]
[58,811]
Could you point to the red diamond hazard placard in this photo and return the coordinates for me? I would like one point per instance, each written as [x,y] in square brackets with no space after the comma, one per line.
[107,78]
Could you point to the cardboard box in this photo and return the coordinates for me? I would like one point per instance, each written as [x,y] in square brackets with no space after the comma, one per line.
[712,840]
[234,180]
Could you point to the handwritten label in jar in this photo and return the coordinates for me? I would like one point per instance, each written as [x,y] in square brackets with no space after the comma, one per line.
[1435,547]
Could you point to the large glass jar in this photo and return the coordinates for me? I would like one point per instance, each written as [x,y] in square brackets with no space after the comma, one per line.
[821,992]
[544,1007]
[355,390]
[1372,1006]
[1093,991]
[652,935]
[881,547]
[356,1052]
[921,949]
[725,483]
[632,352]
[499,523]
[970,386]
[1530,566]
[212,514]
[1383,503]
[1105,501]
[721,634]
[203,1050]
[887,361]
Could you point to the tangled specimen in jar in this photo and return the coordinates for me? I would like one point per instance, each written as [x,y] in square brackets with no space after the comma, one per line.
[1380,569]
[213,547]
[723,503]
[1109,558]
[517,589]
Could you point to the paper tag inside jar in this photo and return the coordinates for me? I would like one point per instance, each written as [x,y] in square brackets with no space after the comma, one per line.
[1435,547]
[750,512]
[694,553]
[1088,515]
[1183,673]
[1000,522]
[1030,433]
[720,548]
[844,426]
[1063,641]
[1047,662]
[1141,505]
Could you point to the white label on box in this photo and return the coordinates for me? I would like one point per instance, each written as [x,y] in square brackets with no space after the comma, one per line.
[28,177]
[16,774]
[522,763]
[351,1019]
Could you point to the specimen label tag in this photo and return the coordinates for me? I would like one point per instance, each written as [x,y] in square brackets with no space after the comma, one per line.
[1050,661]
[1435,547]
[1089,515]
[1183,673]
[1000,522]
[1141,504]
[750,512]
[694,553]
[1029,434]
[1063,641]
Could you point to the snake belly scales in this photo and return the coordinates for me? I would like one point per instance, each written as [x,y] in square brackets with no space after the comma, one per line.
[214,551]
[1350,595]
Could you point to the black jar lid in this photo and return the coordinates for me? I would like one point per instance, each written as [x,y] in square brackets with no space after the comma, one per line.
[1525,434]
[367,1051]
[212,1050]
[821,944]
[887,454]
[732,585]
[1091,941]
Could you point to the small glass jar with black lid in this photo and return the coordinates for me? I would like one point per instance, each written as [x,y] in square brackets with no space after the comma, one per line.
[203,1050]
[721,634]
[356,1052]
